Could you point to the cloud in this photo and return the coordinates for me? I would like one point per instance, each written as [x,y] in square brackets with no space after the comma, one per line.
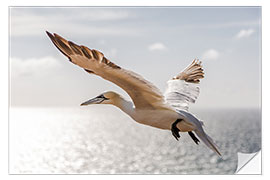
[157,47]
[25,22]
[33,66]
[219,25]
[67,14]
[210,54]
[245,33]
[103,15]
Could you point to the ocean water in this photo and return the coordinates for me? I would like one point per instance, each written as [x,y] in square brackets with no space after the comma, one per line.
[103,140]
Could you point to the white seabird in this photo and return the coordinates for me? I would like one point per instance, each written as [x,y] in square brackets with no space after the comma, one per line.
[148,106]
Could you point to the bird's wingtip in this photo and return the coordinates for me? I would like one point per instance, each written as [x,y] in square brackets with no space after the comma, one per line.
[48,33]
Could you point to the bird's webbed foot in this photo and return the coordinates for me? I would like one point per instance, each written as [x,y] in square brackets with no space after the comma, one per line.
[195,139]
[175,130]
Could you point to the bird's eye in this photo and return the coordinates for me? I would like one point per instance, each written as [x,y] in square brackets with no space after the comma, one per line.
[103,97]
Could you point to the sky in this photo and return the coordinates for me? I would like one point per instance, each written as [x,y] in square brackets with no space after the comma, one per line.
[156,43]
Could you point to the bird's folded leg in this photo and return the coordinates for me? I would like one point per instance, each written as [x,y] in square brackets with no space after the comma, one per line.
[175,130]
[195,139]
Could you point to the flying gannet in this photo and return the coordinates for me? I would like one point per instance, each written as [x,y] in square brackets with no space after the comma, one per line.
[148,106]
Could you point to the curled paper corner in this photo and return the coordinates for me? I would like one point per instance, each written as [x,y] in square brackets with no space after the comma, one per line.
[249,163]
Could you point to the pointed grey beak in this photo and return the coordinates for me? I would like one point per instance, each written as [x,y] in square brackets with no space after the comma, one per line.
[96,100]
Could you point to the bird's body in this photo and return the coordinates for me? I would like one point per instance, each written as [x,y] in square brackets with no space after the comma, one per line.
[148,106]
[161,117]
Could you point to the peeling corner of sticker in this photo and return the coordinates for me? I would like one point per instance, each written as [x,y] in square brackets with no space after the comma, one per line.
[249,163]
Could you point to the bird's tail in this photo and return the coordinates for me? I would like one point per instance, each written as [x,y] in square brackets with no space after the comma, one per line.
[207,141]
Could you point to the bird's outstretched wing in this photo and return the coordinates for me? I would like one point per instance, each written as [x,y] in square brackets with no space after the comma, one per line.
[184,88]
[143,93]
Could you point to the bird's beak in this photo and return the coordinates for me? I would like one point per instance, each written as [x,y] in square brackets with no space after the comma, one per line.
[96,100]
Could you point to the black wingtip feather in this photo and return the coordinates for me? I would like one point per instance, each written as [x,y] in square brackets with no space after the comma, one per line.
[50,36]
[55,42]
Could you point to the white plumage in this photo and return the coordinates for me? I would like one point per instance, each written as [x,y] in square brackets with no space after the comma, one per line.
[180,93]
[148,105]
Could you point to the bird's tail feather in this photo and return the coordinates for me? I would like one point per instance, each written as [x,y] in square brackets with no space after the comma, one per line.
[208,141]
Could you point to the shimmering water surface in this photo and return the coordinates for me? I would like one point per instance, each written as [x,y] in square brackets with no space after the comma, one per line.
[101,140]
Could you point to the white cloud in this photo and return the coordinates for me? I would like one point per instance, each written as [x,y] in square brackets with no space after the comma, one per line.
[157,47]
[245,33]
[78,29]
[32,67]
[102,15]
[210,54]
[220,24]
[25,23]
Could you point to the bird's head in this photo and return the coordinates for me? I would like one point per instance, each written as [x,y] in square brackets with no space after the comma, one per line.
[105,98]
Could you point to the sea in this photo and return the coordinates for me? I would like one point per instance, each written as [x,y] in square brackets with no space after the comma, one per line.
[104,140]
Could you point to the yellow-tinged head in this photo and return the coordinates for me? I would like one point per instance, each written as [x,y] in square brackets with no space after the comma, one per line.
[108,97]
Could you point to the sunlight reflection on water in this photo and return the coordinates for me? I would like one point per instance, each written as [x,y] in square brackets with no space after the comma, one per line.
[104,140]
